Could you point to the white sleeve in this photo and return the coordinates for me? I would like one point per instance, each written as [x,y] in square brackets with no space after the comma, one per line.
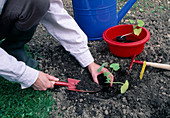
[16,71]
[64,29]
[2,2]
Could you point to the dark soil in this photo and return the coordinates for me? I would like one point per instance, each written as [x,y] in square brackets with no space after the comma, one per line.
[146,98]
[124,39]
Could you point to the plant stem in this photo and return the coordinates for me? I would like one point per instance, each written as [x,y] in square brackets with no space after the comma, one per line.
[117,82]
[126,34]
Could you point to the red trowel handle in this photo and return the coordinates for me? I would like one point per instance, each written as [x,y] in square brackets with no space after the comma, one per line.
[60,83]
[158,65]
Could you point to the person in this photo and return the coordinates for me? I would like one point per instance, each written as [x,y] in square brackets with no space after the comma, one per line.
[18,22]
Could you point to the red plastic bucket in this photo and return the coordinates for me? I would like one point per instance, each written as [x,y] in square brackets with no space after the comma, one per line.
[125,49]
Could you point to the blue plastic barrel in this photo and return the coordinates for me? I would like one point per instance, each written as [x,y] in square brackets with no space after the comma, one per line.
[95,16]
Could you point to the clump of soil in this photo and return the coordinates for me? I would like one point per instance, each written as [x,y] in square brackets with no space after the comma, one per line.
[122,39]
[92,86]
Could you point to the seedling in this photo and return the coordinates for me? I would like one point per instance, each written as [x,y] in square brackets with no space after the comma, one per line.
[115,67]
[141,9]
[136,30]
[2,41]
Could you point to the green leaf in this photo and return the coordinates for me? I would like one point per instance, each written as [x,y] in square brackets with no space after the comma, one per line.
[131,21]
[161,7]
[99,70]
[115,66]
[107,74]
[134,26]
[108,77]
[2,41]
[29,114]
[125,86]
[140,23]
[141,9]
[137,31]
[108,80]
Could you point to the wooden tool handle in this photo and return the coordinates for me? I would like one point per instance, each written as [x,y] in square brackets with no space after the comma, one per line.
[158,65]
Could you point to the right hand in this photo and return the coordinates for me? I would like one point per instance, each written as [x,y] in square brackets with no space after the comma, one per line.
[43,82]
[93,70]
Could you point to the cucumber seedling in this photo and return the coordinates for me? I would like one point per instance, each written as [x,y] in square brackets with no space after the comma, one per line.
[115,67]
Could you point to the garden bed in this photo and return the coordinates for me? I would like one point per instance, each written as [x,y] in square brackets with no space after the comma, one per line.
[146,98]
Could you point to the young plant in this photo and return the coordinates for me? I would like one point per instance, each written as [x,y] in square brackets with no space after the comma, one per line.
[115,67]
[136,30]
[2,41]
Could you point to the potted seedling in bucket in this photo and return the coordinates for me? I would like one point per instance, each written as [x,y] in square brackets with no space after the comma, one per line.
[115,67]
[127,40]
[136,30]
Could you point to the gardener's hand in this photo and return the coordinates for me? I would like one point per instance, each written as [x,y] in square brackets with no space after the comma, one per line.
[93,67]
[43,82]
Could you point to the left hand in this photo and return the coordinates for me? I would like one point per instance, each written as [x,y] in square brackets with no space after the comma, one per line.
[43,82]
[93,67]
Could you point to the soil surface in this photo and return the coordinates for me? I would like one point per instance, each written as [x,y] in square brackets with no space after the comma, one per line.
[146,98]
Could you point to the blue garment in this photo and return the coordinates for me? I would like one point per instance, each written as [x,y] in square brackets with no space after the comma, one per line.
[2,2]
